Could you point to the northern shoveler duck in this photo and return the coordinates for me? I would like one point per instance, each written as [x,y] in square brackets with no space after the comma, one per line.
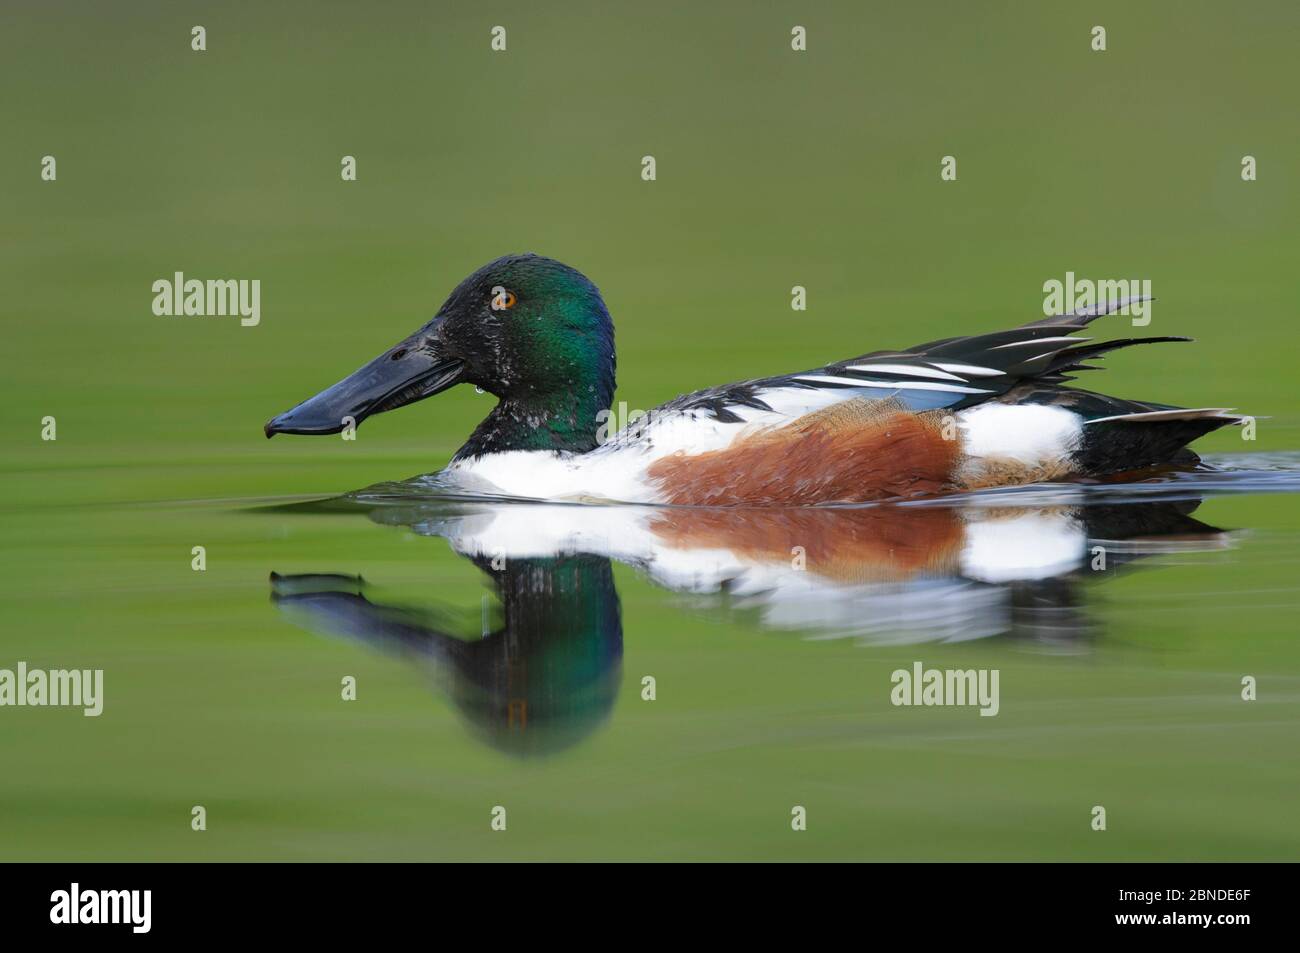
[958,414]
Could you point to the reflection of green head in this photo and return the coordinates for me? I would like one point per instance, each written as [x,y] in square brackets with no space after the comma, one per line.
[541,682]
[549,676]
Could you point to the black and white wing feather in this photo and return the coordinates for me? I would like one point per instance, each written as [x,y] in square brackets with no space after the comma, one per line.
[953,372]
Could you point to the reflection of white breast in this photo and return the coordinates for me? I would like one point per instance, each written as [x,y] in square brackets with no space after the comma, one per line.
[528,530]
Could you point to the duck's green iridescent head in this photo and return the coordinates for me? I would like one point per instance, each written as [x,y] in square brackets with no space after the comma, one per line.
[530,330]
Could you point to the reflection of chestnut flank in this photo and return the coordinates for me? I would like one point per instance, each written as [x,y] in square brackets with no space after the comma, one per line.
[868,544]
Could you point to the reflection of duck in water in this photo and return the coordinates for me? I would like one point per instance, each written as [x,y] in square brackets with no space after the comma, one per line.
[885,573]
[548,676]
[541,681]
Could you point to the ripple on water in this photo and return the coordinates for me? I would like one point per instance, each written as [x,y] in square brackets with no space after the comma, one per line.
[1220,474]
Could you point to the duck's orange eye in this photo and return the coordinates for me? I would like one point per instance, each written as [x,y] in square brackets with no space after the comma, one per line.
[502,298]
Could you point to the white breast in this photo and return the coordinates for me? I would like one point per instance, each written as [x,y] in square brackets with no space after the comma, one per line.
[548,475]
[613,472]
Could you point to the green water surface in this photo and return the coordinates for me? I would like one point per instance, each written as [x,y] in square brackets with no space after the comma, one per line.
[775,169]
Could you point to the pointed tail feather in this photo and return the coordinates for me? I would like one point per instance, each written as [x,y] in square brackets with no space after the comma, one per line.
[1083,316]
[1069,359]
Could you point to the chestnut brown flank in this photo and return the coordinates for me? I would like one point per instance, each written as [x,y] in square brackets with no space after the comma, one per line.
[856,451]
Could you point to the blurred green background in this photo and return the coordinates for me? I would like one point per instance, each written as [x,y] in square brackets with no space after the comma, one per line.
[775,168]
